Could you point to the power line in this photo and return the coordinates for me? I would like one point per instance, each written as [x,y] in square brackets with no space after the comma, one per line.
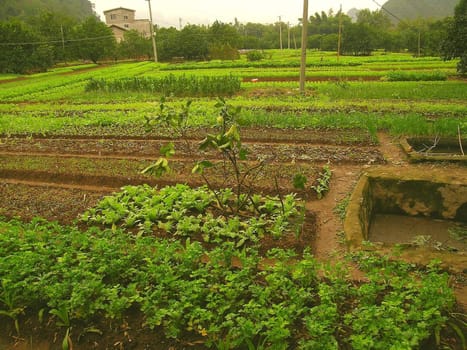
[389,12]
[57,41]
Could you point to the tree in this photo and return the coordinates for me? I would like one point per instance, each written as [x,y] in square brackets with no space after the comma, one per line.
[23,50]
[455,45]
[358,39]
[167,43]
[56,28]
[22,9]
[193,43]
[135,45]
[224,41]
[94,40]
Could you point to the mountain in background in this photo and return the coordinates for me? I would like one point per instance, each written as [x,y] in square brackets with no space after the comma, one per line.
[78,9]
[413,9]
[353,14]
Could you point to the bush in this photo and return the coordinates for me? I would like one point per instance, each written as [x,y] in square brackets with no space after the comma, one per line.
[254,56]
[415,76]
[223,52]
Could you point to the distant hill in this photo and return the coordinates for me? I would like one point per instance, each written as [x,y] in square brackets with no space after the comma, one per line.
[353,14]
[25,8]
[412,9]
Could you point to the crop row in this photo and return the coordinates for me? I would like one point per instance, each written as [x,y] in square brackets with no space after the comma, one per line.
[277,114]
[169,85]
[225,298]
[184,212]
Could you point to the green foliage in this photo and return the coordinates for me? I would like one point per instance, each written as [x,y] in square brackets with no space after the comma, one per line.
[185,212]
[254,55]
[169,85]
[223,52]
[22,51]
[134,45]
[99,41]
[299,181]
[226,296]
[415,76]
[79,9]
[341,207]
[455,45]
[322,182]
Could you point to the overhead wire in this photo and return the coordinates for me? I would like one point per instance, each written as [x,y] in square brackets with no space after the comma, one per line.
[56,41]
[387,11]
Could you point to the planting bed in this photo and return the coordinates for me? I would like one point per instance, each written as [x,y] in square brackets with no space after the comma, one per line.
[114,162]
[58,178]
[177,266]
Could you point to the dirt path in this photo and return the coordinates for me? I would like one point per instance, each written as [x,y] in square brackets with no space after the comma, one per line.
[330,227]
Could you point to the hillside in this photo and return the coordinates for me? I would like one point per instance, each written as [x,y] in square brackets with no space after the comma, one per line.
[412,9]
[25,8]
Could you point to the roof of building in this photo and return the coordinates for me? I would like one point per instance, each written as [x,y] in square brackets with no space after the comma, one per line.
[119,8]
[119,27]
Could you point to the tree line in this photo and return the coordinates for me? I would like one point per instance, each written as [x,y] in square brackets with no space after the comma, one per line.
[41,41]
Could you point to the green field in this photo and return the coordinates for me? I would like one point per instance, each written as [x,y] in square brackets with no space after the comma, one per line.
[221,269]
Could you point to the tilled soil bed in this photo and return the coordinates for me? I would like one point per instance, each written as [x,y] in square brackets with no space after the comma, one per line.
[58,177]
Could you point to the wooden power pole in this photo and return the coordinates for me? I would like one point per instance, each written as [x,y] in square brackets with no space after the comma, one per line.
[339,38]
[304,40]
[153,35]
[280,32]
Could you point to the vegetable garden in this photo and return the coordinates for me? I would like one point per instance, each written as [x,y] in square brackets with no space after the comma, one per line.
[198,205]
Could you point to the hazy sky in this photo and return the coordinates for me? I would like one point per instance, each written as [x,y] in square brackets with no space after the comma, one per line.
[168,12]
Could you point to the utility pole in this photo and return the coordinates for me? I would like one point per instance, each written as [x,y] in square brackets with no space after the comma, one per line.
[63,38]
[419,43]
[339,38]
[280,32]
[304,40]
[153,35]
[63,43]
[288,35]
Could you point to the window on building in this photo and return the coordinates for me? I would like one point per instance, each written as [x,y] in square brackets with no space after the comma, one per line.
[113,16]
[125,17]
[126,26]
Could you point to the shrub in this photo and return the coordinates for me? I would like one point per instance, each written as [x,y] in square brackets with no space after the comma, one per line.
[416,76]
[223,52]
[254,56]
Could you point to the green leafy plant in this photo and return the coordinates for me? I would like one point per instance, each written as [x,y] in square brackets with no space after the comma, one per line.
[415,76]
[169,85]
[64,321]
[189,212]
[9,300]
[223,295]
[254,55]
[322,182]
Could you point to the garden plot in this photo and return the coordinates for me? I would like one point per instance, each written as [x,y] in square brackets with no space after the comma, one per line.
[179,267]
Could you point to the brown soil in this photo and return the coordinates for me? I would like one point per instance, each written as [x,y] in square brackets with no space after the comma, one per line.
[59,177]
